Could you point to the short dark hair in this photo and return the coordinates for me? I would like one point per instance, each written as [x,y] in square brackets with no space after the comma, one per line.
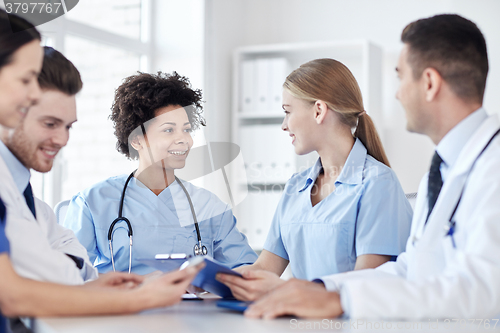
[15,32]
[58,73]
[455,47]
[138,98]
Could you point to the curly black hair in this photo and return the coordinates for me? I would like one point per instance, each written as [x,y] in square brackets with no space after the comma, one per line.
[138,98]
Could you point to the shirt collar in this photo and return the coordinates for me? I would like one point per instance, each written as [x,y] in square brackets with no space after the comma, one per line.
[352,172]
[312,174]
[450,146]
[19,172]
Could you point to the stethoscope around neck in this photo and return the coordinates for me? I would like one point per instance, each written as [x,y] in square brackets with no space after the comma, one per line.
[199,249]
[450,227]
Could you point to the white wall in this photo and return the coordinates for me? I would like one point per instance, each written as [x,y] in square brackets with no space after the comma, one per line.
[178,43]
[233,23]
[178,38]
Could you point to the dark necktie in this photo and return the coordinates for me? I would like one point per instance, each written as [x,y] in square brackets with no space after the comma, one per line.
[2,211]
[30,201]
[435,182]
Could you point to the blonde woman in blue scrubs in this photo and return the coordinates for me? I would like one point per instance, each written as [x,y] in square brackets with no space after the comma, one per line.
[346,212]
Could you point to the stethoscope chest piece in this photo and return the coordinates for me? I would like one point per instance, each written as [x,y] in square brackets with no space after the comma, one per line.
[200,249]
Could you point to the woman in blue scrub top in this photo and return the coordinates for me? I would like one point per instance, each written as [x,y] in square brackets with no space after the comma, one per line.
[346,212]
[153,117]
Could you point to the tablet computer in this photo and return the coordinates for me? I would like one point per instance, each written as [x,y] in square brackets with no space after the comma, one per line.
[206,278]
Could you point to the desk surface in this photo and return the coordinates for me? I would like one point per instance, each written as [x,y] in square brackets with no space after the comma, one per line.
[205,317]
[187,316]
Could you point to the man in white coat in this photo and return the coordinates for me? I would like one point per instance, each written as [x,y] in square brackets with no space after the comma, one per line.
[40,248]
[451,267]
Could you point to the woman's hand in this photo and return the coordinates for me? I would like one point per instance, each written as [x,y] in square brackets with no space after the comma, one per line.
[253,285]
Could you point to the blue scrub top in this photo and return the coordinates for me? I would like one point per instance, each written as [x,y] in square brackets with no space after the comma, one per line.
[4,248]
[367,213]
[161,224]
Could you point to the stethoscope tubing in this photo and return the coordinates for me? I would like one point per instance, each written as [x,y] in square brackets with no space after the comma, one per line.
[451,226]
[199,248]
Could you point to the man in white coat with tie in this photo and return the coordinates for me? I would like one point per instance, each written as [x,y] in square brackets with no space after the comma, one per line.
[451,267]
[40,248]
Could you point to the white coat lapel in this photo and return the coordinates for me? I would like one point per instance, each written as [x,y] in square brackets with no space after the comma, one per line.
[420,212]
[452,188]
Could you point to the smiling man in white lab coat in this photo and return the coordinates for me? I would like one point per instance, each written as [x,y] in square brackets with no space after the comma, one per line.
[40,248]
[451,267]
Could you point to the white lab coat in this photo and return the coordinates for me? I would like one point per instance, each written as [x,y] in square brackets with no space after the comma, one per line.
[432,279]
[38,247]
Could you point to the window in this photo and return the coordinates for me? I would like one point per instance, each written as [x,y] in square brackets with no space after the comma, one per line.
[120,17]
[90,155]
[107,41]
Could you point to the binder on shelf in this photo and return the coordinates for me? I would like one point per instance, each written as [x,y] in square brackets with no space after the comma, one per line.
[260,218]
[278,157]
[279,69]
[262,80]
[248,85]
[268,154]
[243,215]
[261,85]
[249,144]
[256,216]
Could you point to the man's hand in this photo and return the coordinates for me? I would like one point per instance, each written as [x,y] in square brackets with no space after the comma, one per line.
[297,298]
[116,280]
[254,285]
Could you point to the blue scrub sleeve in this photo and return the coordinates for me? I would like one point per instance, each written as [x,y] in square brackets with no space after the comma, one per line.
[79,219]
[230,245]
[274,242]
[4,242]
[384,217]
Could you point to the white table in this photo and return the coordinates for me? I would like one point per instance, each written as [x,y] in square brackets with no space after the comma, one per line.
[205,317]
[187,316]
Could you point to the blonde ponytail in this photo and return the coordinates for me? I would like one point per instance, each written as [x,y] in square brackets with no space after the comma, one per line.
[368,135]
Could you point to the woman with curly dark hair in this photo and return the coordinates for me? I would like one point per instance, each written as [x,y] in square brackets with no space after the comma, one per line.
[153,116]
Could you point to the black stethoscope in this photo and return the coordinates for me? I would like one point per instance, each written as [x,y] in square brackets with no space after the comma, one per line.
[450,227]
[198,249]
